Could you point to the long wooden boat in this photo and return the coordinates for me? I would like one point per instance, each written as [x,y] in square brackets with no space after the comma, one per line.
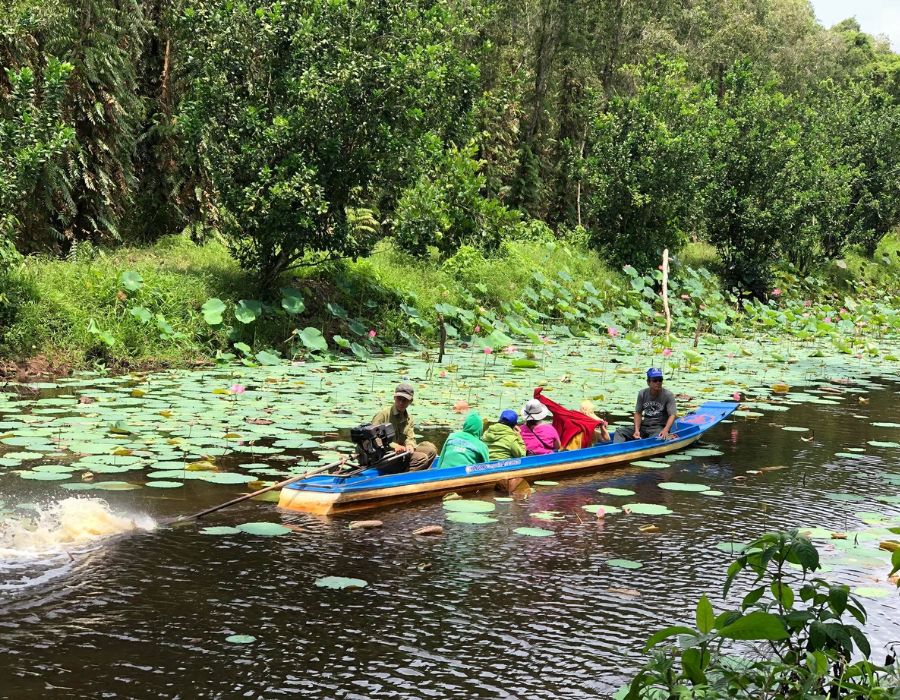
[331,494]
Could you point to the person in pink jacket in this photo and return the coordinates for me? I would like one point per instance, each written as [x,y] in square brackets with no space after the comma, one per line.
[538,432]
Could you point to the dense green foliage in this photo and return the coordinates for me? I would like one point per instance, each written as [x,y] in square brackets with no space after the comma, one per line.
[307,131]
[803,626]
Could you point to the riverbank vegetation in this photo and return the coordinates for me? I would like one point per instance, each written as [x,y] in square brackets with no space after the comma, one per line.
[514,168]
[799,634]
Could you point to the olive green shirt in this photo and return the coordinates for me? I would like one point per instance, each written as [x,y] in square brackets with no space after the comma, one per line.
[404,432]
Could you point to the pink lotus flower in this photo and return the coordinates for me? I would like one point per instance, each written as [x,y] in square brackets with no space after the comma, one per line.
[443,373]
[667,352]
[736,396]
[827,319]
[488,350]
[807,303]
[685,297]
[859,356]
[510,349]
[478,329]
[372,334]
[237,389]
[702,307]
[842,311]
[612,331]
[731,355]
[776,292]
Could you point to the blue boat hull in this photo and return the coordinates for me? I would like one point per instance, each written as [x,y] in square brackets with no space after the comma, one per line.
[329,494]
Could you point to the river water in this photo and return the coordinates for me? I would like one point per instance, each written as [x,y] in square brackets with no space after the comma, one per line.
[477,612]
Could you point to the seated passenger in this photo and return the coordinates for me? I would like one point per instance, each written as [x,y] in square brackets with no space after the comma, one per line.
[654,412]
[503,439]
[601,434]
[465,446]
[538,432]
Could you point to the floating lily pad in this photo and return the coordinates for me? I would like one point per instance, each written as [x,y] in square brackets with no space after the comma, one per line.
[731,547]
[703,452]
[886,425]
[470,518]
[608,510]
[795,429]
[679,486]
[883,443]
[533,531]
[649,464]
[850,455]
[610,491]
[845,497]
[711,492]
[463,505]
[240,639]
[647,509]
[624,564]
[220,530]
[44,476]
[546,483]
[548,515]
[264,529]
[871,592]
[340,582]
[503,499]
[164,484]
[116,486]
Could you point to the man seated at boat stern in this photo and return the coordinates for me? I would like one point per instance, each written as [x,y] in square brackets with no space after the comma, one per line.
[416,456]
[654,411]
[465,447]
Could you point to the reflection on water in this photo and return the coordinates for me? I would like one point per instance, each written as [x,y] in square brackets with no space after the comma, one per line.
[477,612]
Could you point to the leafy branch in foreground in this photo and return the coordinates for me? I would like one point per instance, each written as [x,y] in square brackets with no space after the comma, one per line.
[800,636]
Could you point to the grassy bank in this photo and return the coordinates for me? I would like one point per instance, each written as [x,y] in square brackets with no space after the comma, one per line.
[84,312]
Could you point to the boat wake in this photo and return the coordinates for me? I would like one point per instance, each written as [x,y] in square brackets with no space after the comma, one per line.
[62,527]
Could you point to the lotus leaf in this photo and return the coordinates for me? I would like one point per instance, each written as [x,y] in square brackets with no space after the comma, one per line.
[212,311]
[247,310]
[43,476]
[624,564]
[164,484]
[712,492]
[340,582]
[610,491]
[871,592]
[846,497]
[533,532]
[264,529]
[646,509]
[648,464]
[131,281]
[679,486]
[702,452]
[220,530]
[312,339]
[463,505]
[883,443]
[546,483]
[595,507]
[470,518]
[240,639]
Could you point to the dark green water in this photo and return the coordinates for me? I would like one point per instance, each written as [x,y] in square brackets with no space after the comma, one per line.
[477,612]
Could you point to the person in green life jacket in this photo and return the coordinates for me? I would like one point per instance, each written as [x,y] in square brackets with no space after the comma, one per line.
[503,439]
[465,446]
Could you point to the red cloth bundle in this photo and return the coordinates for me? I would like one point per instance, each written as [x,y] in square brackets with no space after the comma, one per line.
[569,424]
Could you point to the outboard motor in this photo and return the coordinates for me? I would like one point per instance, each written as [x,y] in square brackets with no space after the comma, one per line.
[373,442]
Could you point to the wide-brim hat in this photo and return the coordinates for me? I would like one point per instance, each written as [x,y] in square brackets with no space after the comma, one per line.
[535,410]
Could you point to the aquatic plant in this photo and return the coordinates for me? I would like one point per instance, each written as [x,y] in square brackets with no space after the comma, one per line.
[796,636]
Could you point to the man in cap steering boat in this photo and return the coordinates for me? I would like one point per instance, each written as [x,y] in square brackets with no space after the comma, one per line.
[415,456]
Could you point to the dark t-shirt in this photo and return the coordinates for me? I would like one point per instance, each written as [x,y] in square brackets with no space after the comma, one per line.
[656,411]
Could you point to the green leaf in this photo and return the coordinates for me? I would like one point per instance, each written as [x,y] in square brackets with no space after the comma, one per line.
[895,562]
[131,281]
[141,313]
[243,347]
[705,616]
[341,342]
[783,594]
[292,301]
[837,599]
[313,339]
[267,358]
[757,625]
[752,597]
[663,634]
[692,663]
[212,311]
[247,310]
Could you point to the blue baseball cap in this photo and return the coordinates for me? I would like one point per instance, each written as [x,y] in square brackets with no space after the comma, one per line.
[509,417]
[654,373]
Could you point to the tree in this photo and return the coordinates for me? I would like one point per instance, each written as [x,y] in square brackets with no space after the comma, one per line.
[646,165]
[304,110]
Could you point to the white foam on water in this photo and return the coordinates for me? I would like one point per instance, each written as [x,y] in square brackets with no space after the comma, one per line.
[63,526]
